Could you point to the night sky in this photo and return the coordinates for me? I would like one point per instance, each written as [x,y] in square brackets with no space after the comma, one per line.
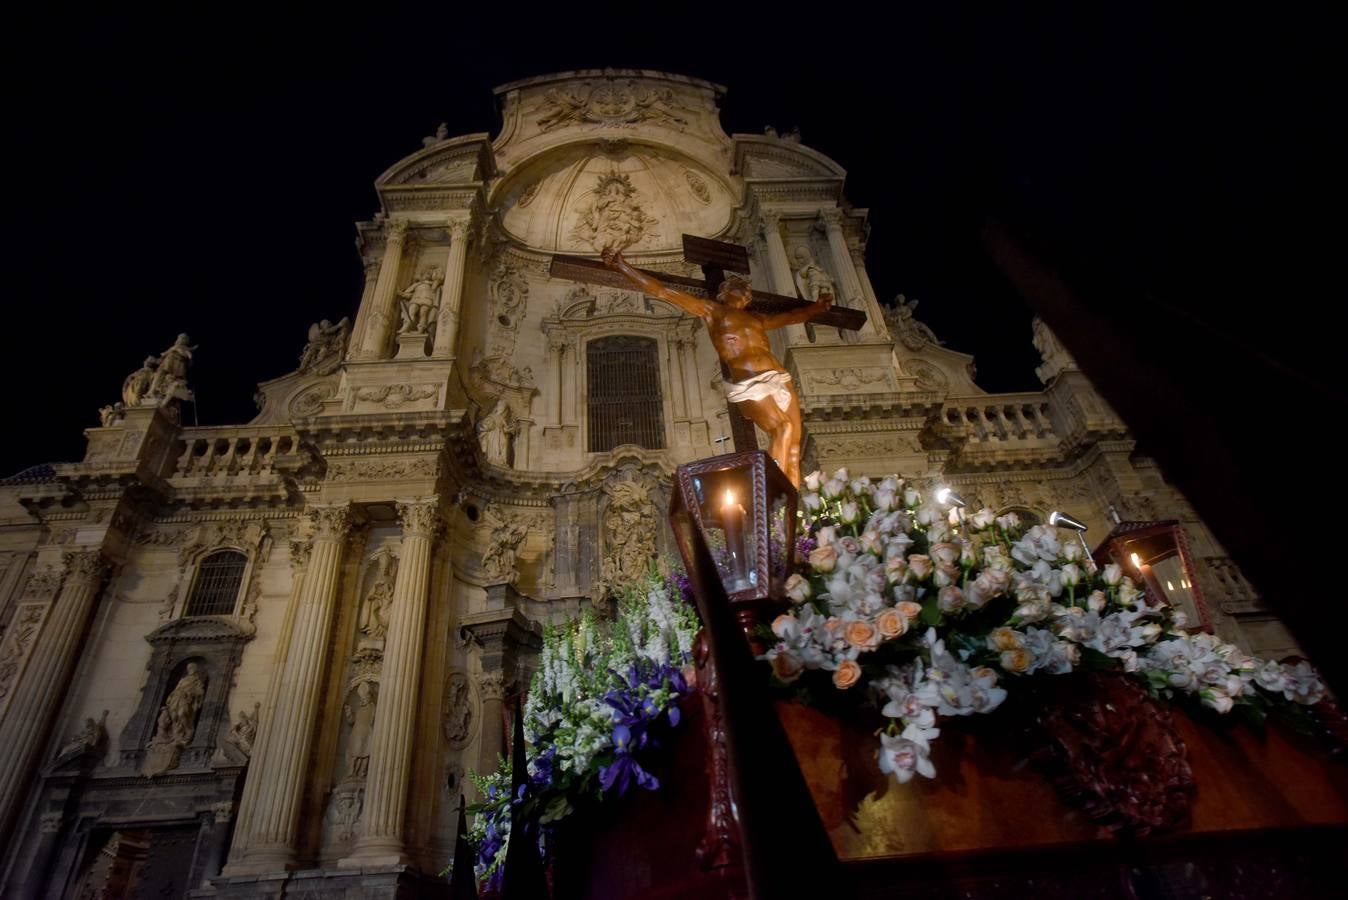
[173,174]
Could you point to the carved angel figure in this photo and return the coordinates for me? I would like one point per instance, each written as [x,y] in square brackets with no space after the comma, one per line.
[325,338]
[811,279]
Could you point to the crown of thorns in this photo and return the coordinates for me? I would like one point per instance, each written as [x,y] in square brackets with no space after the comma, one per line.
[734,281]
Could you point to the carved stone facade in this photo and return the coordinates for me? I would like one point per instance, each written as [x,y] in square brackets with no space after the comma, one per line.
[417,498]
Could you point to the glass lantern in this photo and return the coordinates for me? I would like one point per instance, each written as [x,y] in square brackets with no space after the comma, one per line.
[743,509]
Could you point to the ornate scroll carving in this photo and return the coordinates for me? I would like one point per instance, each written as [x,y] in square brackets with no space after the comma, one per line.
[419,516]
[1113,750]
[393,396]
[331,522]
[610,103]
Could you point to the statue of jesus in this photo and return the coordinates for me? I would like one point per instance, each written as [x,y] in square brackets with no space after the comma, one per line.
[762,386]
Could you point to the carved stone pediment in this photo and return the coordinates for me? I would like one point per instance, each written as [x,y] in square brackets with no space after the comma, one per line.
[199,629]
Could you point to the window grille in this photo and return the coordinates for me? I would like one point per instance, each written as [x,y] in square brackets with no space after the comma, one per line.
[625,397]
[216,588]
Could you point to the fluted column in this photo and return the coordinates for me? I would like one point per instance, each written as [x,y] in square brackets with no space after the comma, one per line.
[451,291]
[380,320]
[257,764]
[779,269]
[395,720]
[363,313]
[38,693]
[850,286]
[272,825]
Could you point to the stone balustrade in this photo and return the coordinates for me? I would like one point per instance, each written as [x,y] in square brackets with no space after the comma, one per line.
[233,451]
[1001,418]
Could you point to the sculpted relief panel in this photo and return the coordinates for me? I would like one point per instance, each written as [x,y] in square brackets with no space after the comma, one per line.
[609,103]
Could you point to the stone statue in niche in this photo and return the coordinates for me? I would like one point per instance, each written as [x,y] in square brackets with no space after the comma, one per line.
[613,219]
[421,301]
[237,746]
[378,599]
[86,741]
[811,279]
[324,349]
[176,724]
[360,716]
[496,434]
[506,535]
[1054,355]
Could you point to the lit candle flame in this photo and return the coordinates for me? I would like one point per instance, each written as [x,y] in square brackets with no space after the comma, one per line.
[1137,561]
[729,497]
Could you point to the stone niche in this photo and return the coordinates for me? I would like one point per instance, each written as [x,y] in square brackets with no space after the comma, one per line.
[215,645]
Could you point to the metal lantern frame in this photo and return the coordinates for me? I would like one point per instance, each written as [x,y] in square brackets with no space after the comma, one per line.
[761,483]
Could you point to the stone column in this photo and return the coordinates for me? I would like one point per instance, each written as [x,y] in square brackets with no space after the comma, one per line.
[37,695]
[381,827]
[299,559]
[779,269]
[363,313]
[692,384]
[381,319]
[451,291]
[272,825]
[557,346]
[507,641]
[849,286]
[491,746]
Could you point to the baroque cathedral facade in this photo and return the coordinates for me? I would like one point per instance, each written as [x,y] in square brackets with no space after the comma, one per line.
[243,659]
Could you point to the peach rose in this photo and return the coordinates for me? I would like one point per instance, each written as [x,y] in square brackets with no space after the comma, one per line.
[945,554]
[787,666]
[860,634]
[1017,661]
[891,624]
[798,589]
[1002,639]
[909,610]
[920,566]
[847,674]
[823,558]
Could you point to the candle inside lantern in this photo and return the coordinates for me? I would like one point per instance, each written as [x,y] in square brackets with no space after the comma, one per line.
[732,520]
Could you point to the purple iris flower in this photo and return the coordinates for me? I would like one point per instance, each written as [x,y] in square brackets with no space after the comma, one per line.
[624,769]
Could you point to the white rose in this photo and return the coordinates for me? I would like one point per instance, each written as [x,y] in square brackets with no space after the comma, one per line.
[850,513]
[1097,601]
[798,589]
[1071,575]
[1071,551]
[832,489]
[1112,574]
[813,502]
[813,480]
[911,497]
[983,518]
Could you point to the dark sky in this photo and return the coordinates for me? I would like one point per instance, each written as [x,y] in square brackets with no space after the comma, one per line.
[203,175]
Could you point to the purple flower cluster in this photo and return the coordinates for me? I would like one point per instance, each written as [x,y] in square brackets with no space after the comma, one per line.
[636,717]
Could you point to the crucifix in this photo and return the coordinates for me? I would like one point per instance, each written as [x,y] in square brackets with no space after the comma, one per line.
[737,319]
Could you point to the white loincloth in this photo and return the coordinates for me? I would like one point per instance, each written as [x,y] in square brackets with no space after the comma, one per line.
[776,385]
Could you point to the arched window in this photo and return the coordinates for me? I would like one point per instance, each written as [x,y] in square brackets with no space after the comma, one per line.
[625,398]
[216,587]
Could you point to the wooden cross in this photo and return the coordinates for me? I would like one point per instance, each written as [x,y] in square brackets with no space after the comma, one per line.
[715,258]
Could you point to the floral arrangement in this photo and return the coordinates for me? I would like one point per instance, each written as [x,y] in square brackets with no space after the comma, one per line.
[604,696]
[929,613]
